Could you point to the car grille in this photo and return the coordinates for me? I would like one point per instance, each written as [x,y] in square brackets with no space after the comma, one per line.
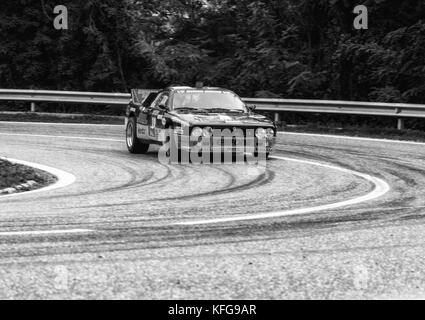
[239,141]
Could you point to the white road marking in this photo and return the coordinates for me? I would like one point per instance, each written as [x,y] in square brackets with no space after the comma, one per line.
[64,178]
[63,124]
[44,232]
[350,138]
[62,137]
[380,189]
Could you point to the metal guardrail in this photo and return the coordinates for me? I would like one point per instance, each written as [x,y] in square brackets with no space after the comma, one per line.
[64,97]
[397,110]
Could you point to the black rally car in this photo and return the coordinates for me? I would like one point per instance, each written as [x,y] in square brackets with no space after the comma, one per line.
[191,110]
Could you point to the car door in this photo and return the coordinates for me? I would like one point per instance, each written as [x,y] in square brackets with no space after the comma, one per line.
[156,116]
[143,116]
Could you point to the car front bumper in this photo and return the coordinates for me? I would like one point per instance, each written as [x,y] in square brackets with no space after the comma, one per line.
[265,146]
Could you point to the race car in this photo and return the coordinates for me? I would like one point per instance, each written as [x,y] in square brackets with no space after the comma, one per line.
[198,112]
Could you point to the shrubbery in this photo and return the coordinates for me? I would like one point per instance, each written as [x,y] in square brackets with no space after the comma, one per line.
[273,48]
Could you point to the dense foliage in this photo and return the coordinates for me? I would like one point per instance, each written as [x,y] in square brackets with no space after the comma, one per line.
[268,48]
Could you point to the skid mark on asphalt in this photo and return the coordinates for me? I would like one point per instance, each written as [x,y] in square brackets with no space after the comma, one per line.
[259,180]
[380,189]
[44,232]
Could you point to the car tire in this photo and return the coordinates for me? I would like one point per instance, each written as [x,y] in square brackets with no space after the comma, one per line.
[133,144]
[267,155]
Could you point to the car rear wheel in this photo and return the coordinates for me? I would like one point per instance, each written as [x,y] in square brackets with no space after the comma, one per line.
[133,144]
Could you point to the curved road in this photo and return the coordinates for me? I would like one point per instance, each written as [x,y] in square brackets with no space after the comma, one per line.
[130,227]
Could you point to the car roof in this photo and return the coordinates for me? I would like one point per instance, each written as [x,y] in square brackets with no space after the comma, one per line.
[176,88]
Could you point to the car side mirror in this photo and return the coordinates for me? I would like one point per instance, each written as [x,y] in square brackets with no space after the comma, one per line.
[252,107]
[162,107]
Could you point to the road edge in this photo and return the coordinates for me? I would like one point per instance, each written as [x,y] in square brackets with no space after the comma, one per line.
[64,178]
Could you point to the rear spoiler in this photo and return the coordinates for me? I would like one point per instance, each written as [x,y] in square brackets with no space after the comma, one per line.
[142,96]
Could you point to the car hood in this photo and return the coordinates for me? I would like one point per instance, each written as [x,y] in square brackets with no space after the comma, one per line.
[222,119]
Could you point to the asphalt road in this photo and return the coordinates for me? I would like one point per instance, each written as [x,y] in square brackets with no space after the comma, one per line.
[117,231]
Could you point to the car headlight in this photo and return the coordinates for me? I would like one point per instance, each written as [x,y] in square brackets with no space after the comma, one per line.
[270,133]
[261,133]
[196,132]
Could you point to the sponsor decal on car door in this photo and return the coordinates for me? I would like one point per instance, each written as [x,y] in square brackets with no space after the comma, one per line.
[155,117]
[142,123]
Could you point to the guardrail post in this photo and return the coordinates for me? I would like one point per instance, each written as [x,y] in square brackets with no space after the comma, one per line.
[277,118]
[400,124]
[32,106]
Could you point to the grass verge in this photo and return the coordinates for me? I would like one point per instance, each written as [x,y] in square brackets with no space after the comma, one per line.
[363,132]
[13,175]
[60,118]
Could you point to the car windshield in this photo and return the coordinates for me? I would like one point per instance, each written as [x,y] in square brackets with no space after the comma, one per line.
[216,101]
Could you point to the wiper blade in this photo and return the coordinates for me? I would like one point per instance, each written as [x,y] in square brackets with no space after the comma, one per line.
[225,110]
[189,108]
